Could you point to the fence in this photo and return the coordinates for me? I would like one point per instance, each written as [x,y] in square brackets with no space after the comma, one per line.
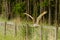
[30,33]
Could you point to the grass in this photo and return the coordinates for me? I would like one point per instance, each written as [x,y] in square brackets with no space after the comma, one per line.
[33,33]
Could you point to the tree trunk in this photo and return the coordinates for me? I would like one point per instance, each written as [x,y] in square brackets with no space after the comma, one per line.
[49,20]
[27,8]
[41,10]
[5,8]
[35,9]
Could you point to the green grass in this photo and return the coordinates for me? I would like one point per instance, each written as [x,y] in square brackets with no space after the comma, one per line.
[33,33]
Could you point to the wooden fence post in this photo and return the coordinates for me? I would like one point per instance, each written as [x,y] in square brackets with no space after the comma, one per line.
[5,28]
[26,32]
[46,35]
[56,33]
[41,34]
[15,29]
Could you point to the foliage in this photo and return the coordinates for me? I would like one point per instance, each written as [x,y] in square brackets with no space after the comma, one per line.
[45,3]
[19,8]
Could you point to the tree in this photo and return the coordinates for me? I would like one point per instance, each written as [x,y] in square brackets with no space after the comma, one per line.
[5,8]
[19,9]
[0,6]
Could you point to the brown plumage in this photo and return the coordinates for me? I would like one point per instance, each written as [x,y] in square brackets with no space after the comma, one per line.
[38,18]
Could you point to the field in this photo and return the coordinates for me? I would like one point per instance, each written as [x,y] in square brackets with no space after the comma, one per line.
[26,32]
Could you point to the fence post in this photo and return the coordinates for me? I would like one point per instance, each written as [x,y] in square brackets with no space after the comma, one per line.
[26,32]
[5,28]
[56,33]
[41,36]
[15,29]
